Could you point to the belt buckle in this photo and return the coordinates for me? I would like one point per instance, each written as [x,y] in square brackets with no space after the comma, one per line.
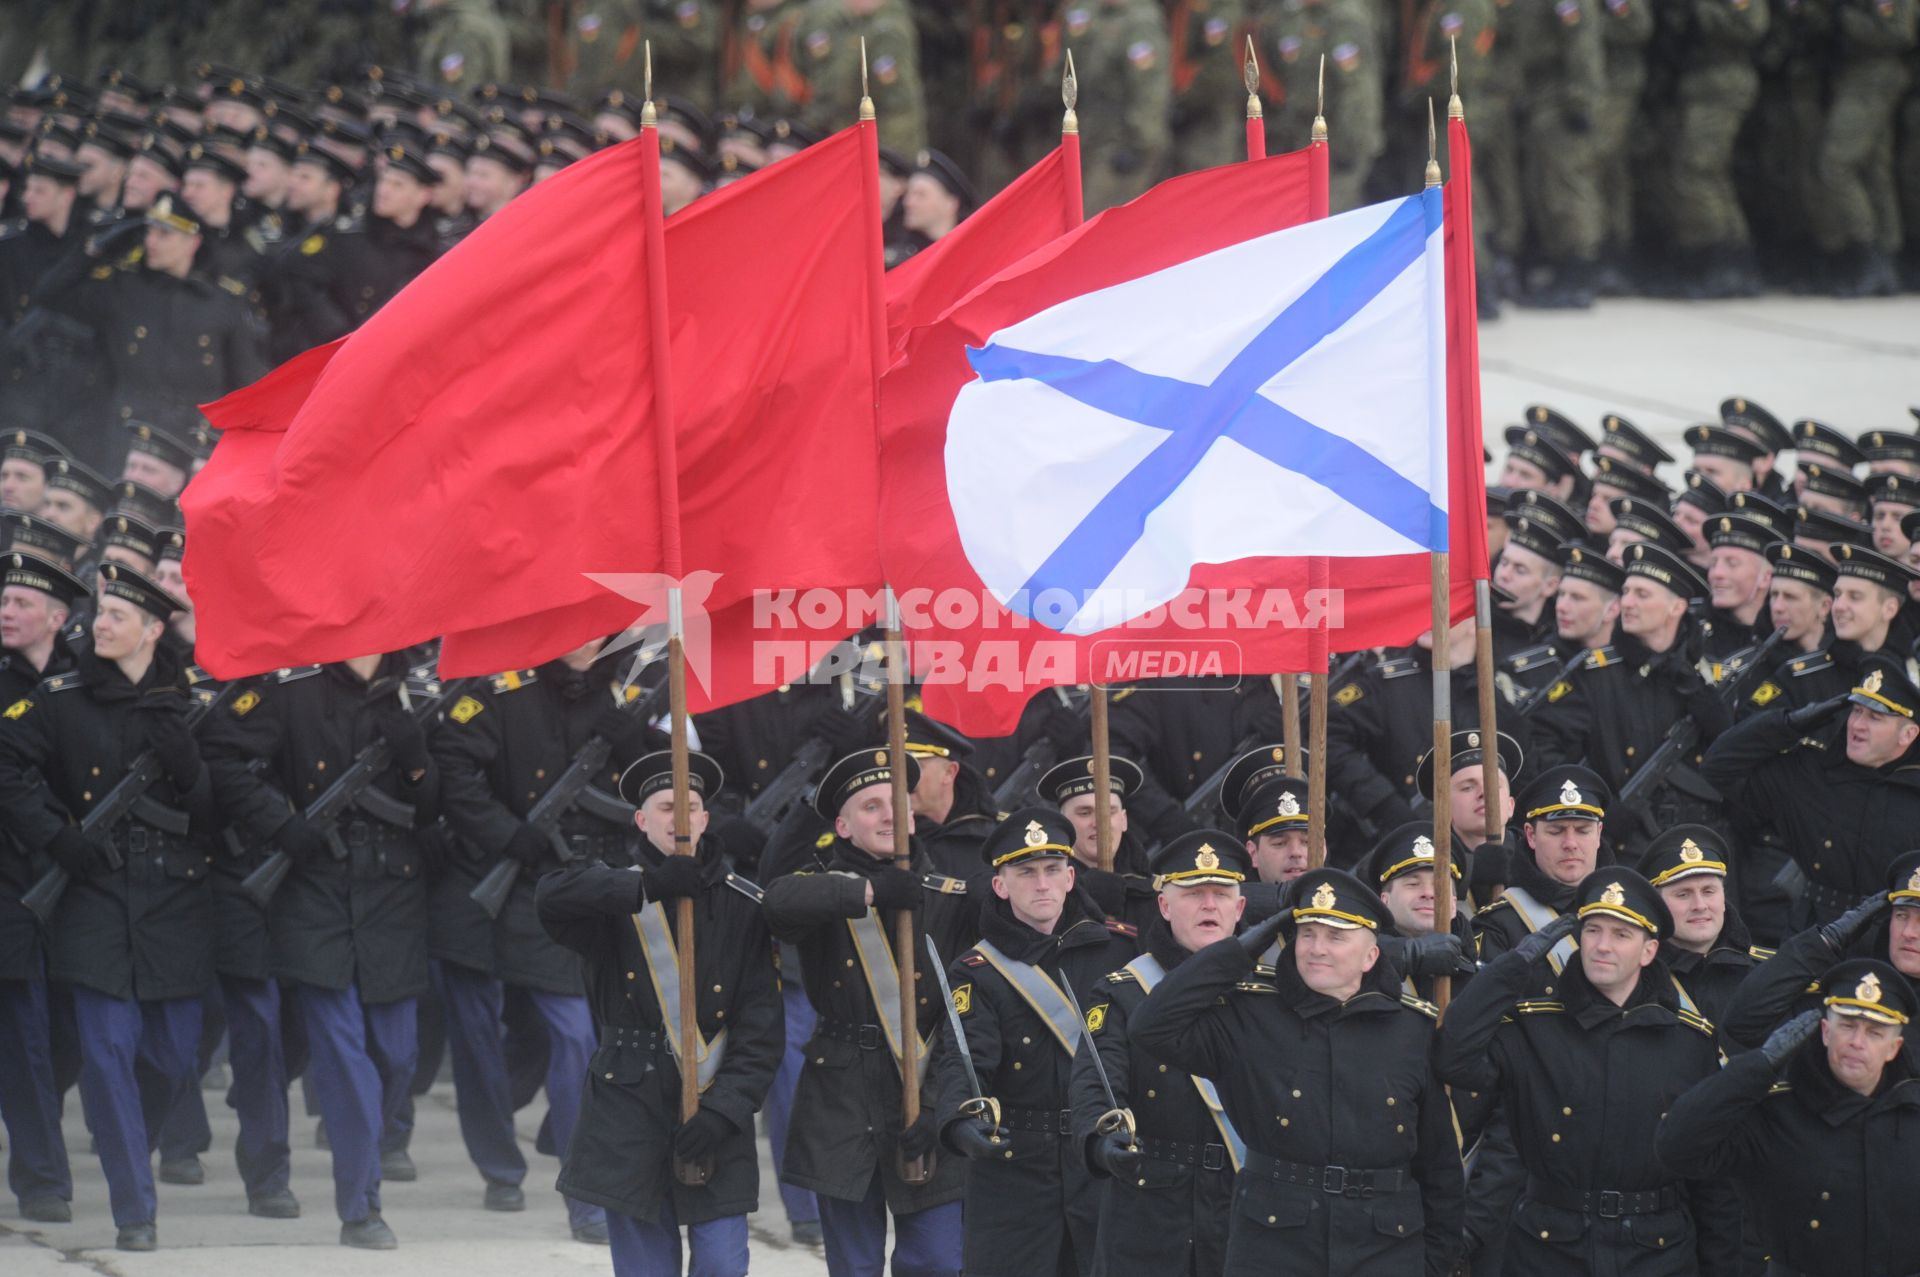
[1065,1122]
[1213,1157]
[358,835]
[136,839]
[1610,1205]
[868,1037]
[1333,1180]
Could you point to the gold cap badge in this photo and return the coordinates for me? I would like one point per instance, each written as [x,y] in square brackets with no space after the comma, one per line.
[1868,990]
[1289,805]
[1690,852]
[1035,834]
[1207,858]
[1323,896]
[1613,895]
[1873,682]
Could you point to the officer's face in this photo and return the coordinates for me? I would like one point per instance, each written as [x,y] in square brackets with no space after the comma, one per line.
[1080,810]
[28,617]
[655,819]
[1737,577]
[1724,473]
[1279,855]
[1859,1050]
[1565,850]
[1862,610]
[866,820]
[1699,907]
[1200,914]
[1798,607]
[934,792]
[1692,520]
[45,200]
[490,184]
[1332,960]
[1875,739]
[1648,610]
[1618,541]
[23,484]
[64,507]
[145,183]
[1529,577]
[1584,613]
[1519,473]
[1612,953]
[1903,940]
[400,197]
[1036,890]
[162,476]
[1887,536]
[1409,898]
[267,177]
[120,629]
[1470,804]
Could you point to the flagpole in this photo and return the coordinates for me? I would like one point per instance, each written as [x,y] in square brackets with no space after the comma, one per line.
[1256,118]
[1318,657]
[692,1173]
[1076,206]
[916,1170]
[1442,700]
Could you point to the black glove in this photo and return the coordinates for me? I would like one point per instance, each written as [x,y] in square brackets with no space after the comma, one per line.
[918,1140]
[74,852]
[1537,945]
[1789,1037]
[896,889]
[611,722]
[300,840]
[1439,954]
[975,1139]
[844,732]
[702,1136]
[403,736]
[1808,717]
[1845,929]
[1066,729]
[672,878]
[1256,938]
[528,846]
[163,728]
[1114,1154]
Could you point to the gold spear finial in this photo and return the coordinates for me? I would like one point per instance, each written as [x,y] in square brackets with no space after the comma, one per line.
[1320,105]
[647,116]
[1069,96]
[1433,149]
[1250,76]
[1455,111]
[866,99]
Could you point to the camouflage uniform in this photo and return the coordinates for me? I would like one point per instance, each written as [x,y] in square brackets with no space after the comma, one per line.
[760,78]
[605,41]
[1626,30]
[466,43]
[1559,50]
[828,55]
[1715,90]
[1013,100]
[1209,109]
[1294,34]
[1855,168]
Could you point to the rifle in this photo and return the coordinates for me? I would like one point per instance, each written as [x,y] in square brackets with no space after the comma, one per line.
[1017,789]
[771,804]
[1682,738]
[128,798]
[574,787]
[354,787]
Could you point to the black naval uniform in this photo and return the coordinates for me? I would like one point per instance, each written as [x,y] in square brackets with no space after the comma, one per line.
[1181,733]
[1037,1211]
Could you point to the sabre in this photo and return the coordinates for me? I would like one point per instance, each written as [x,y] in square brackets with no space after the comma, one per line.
[982,1104]
[1115,1118]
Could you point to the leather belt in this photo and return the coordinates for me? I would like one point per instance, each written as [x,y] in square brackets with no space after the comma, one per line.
[1607,1203]
[1335,1181]
[867,1037]
[1044,1121]
[1206,1157]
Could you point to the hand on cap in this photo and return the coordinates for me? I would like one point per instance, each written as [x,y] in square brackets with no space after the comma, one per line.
[1845,929]
[1810,716]
[1789,1037]
[1541,942]
[1256,939]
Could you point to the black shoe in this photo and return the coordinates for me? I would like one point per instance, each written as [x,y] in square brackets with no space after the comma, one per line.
[505,1197]
[593,1233]
[137,1237]
[806,1232]
[47,1210]
[184,1170]
[279,1204]
[398,1165]
[370,1233]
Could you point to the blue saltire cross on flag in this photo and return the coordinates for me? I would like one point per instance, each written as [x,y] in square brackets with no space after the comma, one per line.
[1283,396]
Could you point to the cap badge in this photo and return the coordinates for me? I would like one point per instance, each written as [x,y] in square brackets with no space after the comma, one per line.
[1279,754]
[1473,740]
[1289,805]
[1873,682]
[1036,836]
[1206,859]
[880,757]
[1613,895]
[1913,883]
[1690,852]
[1423,847]
[1323,897]
[1569,793]
[1868,990]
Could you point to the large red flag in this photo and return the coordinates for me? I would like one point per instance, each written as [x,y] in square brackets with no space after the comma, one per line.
[1467,504]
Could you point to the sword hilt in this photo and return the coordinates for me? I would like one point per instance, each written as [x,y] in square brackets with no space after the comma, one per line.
[1115,1120]
[984,1106]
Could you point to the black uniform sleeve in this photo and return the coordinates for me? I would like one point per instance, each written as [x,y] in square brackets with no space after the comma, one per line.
[1184,1021]
[1772,989]
[1443,1186]
[981,1021]
[756,1034]
[1464,1053]
[1560,727]
[464,752]
[1745,762]
[801,903]
[574,904]
[1706,1135]
[1351,724]
[1084,1095]
[30,813]
[1133,733]
[232,741]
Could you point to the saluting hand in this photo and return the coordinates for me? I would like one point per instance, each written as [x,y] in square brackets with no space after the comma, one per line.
[1789,1037]
[1541,942]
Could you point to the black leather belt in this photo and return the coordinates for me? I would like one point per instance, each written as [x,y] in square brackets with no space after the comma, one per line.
[1206,1157]
[1607,1203]
[1335,1181]
[1044,1121]
[867,1037]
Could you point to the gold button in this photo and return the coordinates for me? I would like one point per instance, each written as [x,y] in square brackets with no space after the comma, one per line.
[1399,1130]
[1828,844]
[1814,1224]
[819,1059]
[716,988]
[632,975]
[86,795]
[1272,1219]
[96,771]
[1825,1196]
[321,765]
[1543,1234]
[1629,751]
[1163,1068]
[140,331]
[719,1015]
[1016,1066]
[609,1077]
[1390,1101]
[836,984]
[1150,1094]
[1285,1122]
[763,764]
[1198,755]
[1565,1112]
[1026,1041]
[539,773]
[205,341]
[1556,1137]
[849,961]
[133,348]
[1296,1095]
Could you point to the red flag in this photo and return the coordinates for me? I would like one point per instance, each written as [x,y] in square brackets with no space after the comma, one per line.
[1467,501]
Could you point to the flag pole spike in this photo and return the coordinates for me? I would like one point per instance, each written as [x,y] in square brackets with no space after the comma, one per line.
[1433,149]
[1455,111]
[1069,96]
[1250,76]
[866,98]
[648,117]
[1320,105]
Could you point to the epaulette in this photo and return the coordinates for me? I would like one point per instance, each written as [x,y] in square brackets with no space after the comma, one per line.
[1779,1088]
[1600,657]
[101,272]
[1255,986]
[1424,1007]
[1693,1021]
[1120,928]
[513,680]
[1122,694]
[1491,905]
[1122,976]
[944,885]
[1539,1007]
[1531,657]
[294,674]
[232,285]
[1397,667]
[60,683]
[1265,970]
[1802,666]
[1759,954]
[747,887]
[973,958]
[197,676]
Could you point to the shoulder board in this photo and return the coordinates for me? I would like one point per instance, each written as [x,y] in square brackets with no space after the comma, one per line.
[1122,694]
[1254,986]
[101,272]
[232,285]
[973,958]
[295,673]
[1802,666]
[944,885]
[196,676]
[975,815]
[12,226]
[513,680]
[1759,954]
[1532,656]
[746,887]
[1424,1007]
[1122,928]
[18,709]
[1601,657]
[60,683]
[1764,693]
[1697,1022]
[1493,906]
[1539,1008]
[1397,667]
[1122,976]
[1265,970]
[1780,1088]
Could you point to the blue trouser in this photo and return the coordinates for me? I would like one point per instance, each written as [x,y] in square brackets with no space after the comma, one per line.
[259,1091]
[115,1035]
[184,1131]
[483,1095]
[362,1058]
[29,1103]
[800,1203]
[640,1249]
[925,1243]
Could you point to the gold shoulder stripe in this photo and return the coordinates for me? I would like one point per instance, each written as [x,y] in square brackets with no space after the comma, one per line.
[1421,1005]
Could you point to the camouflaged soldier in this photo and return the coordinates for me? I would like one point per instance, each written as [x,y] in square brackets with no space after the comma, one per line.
[830,32]
[1013,105]
[1854,172]
[760,78]
[1562,65]
[466,42]
[1120,50]
[605,42]
[1207,49]
[1294,34]
[1626,29]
